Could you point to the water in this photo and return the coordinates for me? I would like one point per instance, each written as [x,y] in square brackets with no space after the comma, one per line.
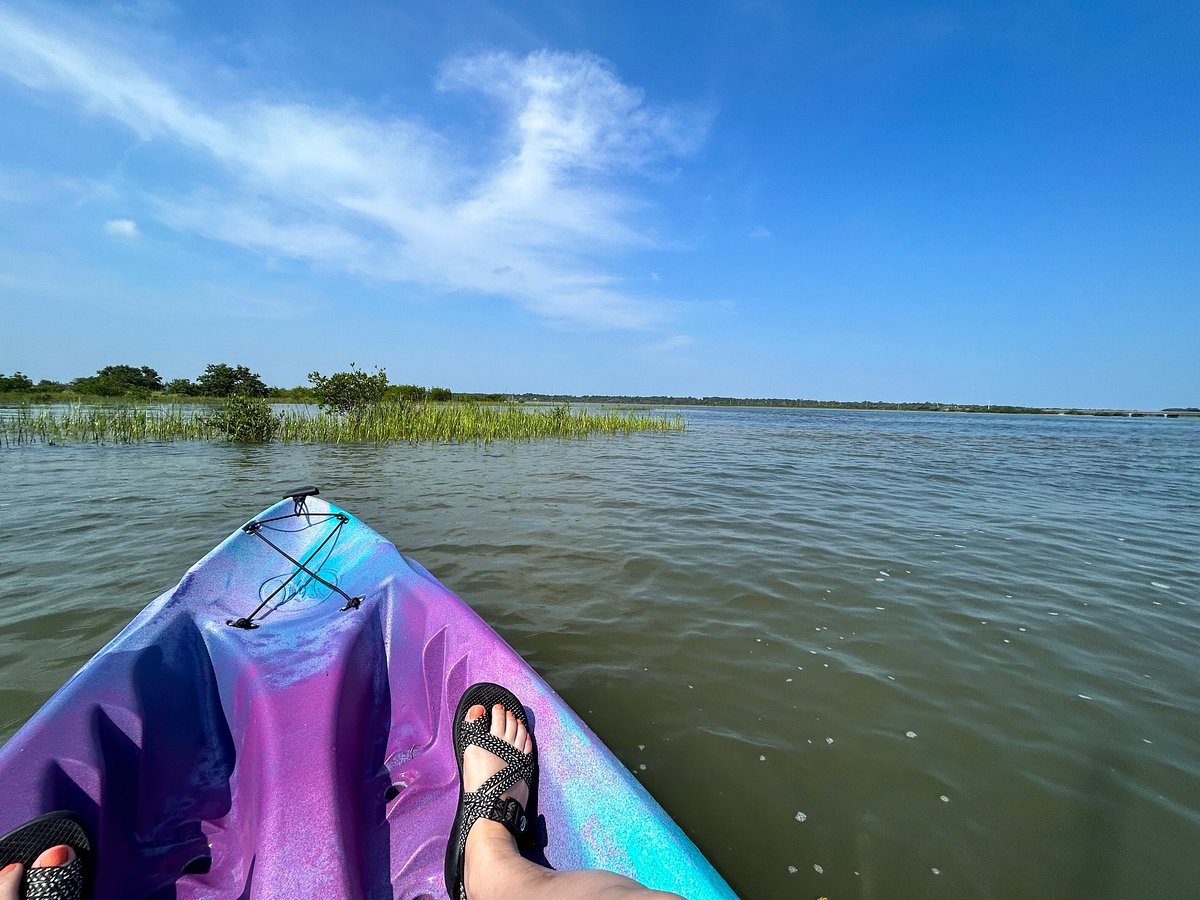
[854,654]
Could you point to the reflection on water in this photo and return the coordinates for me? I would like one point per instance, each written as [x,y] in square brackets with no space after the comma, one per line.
[854,654]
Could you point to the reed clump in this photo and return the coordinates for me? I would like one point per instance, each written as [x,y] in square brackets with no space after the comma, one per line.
[99,424]
[377,423]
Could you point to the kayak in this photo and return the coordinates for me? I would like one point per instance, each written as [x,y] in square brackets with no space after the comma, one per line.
[278,725]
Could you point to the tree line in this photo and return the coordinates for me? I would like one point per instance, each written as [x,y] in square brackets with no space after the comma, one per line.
[787,402]
[222,380]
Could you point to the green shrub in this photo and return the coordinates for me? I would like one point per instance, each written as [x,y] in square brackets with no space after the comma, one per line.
[245,420]
[115,381]
[406,393]
[350,392]
[15,382]
[182,388]
[221,380]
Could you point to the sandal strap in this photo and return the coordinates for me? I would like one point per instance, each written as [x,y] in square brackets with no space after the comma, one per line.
[63,882]
[497,747]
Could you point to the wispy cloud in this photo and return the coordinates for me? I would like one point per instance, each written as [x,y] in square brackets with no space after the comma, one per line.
[672,343]
[759,233]
[535,217]
[126,228]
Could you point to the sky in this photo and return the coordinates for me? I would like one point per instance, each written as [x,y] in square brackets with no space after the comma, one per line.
[976,203]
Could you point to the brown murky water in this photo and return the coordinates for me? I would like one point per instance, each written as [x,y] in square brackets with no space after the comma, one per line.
[853,654]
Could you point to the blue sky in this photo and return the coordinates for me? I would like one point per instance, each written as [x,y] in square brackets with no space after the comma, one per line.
[994,203]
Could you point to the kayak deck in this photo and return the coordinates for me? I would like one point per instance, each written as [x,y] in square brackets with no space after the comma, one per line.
[311,755]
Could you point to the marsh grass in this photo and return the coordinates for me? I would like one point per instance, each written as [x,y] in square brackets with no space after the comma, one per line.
[379,423]
[86,423]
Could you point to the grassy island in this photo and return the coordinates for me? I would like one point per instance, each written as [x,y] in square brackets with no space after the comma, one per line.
[252,421]
[130,404]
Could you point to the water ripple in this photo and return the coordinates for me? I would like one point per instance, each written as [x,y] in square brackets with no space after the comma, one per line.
[954,642]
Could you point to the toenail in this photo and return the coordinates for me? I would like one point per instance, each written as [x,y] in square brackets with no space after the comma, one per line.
[475,712]
[8,868]
[55,856]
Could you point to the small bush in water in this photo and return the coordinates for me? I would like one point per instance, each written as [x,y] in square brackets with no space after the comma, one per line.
[246,420]
[349,392]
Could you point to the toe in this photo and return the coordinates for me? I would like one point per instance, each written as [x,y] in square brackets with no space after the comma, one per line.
[10,881]
[498,720]
[475,712]
[510,727]
[528,748]
[519,736]
[55,856]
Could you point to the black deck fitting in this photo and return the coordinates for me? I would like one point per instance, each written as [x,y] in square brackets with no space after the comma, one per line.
[299,495]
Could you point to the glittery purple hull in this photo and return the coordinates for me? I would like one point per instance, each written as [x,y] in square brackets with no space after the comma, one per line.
[312,756]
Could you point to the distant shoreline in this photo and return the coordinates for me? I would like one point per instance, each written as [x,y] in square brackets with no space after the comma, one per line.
[289,396]
[782,403]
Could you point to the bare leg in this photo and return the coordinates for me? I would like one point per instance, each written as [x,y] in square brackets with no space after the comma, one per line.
[493,869]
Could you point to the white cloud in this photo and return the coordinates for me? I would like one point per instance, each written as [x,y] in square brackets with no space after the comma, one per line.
[673,343]
[121,228]
[759,233]
[533,215]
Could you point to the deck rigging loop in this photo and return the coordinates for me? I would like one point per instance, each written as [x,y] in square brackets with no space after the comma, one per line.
[299,496]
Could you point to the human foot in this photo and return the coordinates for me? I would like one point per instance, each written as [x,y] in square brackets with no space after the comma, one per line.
[498,787]
[479,764]
[55,873]
[488,839]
